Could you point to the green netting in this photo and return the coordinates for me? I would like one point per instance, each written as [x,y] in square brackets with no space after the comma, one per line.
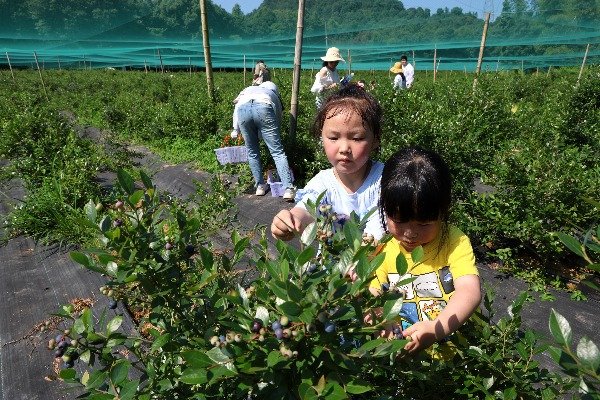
[372,35]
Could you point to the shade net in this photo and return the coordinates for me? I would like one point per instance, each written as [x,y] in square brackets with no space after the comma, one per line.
[371,35]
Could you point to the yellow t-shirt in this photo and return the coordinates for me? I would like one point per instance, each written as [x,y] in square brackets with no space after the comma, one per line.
[428,294]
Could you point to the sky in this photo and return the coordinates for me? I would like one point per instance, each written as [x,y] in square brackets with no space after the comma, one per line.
[478,6]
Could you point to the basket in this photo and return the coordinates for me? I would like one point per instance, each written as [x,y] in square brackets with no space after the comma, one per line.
[233,154]
[277,189]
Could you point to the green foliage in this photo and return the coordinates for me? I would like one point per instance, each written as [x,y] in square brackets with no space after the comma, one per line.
[296,331]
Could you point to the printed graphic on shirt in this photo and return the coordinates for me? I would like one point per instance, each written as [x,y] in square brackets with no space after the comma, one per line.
[430,309]
[446,279]
[425,297]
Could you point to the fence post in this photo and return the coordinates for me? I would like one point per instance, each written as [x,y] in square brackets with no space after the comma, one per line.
[40,73]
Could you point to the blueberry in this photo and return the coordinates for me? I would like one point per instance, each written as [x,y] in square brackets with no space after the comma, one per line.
[190,249]
[112,305]
[385,287]
[63,344]
[118,222]
[256,325]
[276,325]
[168,246]
[69,364]
[222,338]
[59,352]
[279,333]
[329,327]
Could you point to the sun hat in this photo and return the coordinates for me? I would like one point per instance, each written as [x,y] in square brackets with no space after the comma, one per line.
[333,54]
[397,68]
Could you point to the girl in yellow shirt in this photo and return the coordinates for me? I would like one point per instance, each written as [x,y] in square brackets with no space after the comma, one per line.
[414,207]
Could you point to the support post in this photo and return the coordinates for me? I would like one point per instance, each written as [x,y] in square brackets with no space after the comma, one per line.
[245,71]
[481,48]
[10,66]
[434,63]
[587,49]
[297,70]
[206,45]
[40,73]
[162,68]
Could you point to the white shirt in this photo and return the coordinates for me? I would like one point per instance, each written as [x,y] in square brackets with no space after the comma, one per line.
[260,94]
[409,74]
[361,202]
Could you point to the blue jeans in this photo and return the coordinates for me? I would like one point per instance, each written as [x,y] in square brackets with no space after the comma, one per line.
[255,117]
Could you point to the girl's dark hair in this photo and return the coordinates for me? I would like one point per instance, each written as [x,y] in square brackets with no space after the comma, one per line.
[354,98]
[415,186]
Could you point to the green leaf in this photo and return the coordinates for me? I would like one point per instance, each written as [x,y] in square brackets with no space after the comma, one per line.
[119,371]
[509,393]
[136,196]
[275,357]
[587,351]
[128,390]
[160,341]
[114,324]
[571,243]
[194,376]
[90,211]
[417,254]
[146,180]
[68,374]
[80,258]
[309,234]
[197,359]
[560,328]
[307,392]
[305,256]
[126,181]
[86,318]
[368,346]
[96,379]
[401,264]
[391,309]
[358,386]
[104,224]
[218,355]
[291,309]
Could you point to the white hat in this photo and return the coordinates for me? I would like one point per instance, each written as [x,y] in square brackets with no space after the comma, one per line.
[333,54]
[269,85]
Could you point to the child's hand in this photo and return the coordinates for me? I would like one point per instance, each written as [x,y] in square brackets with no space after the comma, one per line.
[422,335]
[285,226]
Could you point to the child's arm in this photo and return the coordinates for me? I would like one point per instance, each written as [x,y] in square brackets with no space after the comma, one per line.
[287,223]
[462,304]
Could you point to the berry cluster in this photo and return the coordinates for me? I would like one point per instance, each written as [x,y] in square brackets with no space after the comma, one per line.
[64,348]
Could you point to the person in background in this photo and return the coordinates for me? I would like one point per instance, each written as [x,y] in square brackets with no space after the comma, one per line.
[327,79]
[409,71]
[258,111]
[414,207]
[261,73]
[399,79]
[349,125]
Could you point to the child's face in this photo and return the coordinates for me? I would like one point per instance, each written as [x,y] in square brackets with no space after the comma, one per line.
[413,234]
[347,143]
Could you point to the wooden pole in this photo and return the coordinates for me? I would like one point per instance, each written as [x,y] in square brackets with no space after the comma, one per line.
[413,58]
[190,64]
[434,62]
[145,66]
[206,45]
[548,72]
[349,63]
[587,49]
[162,67]
[40,73]
[481,48]
[10,66]
[245,71]
[297,70]
[58,58]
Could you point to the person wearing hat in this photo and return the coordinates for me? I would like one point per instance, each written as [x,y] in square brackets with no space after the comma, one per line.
[327,79]
[408,70]
[400,79]
[257,112]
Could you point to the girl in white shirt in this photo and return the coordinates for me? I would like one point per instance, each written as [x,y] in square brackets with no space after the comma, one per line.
[349,124]
[327,79]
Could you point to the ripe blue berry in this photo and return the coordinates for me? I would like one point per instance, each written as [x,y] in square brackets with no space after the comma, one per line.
[118,222]
[112,305]
[168,246]
[329,327]
[190,249]
[385,287]
[279,333]
[256,325]
[276,325]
